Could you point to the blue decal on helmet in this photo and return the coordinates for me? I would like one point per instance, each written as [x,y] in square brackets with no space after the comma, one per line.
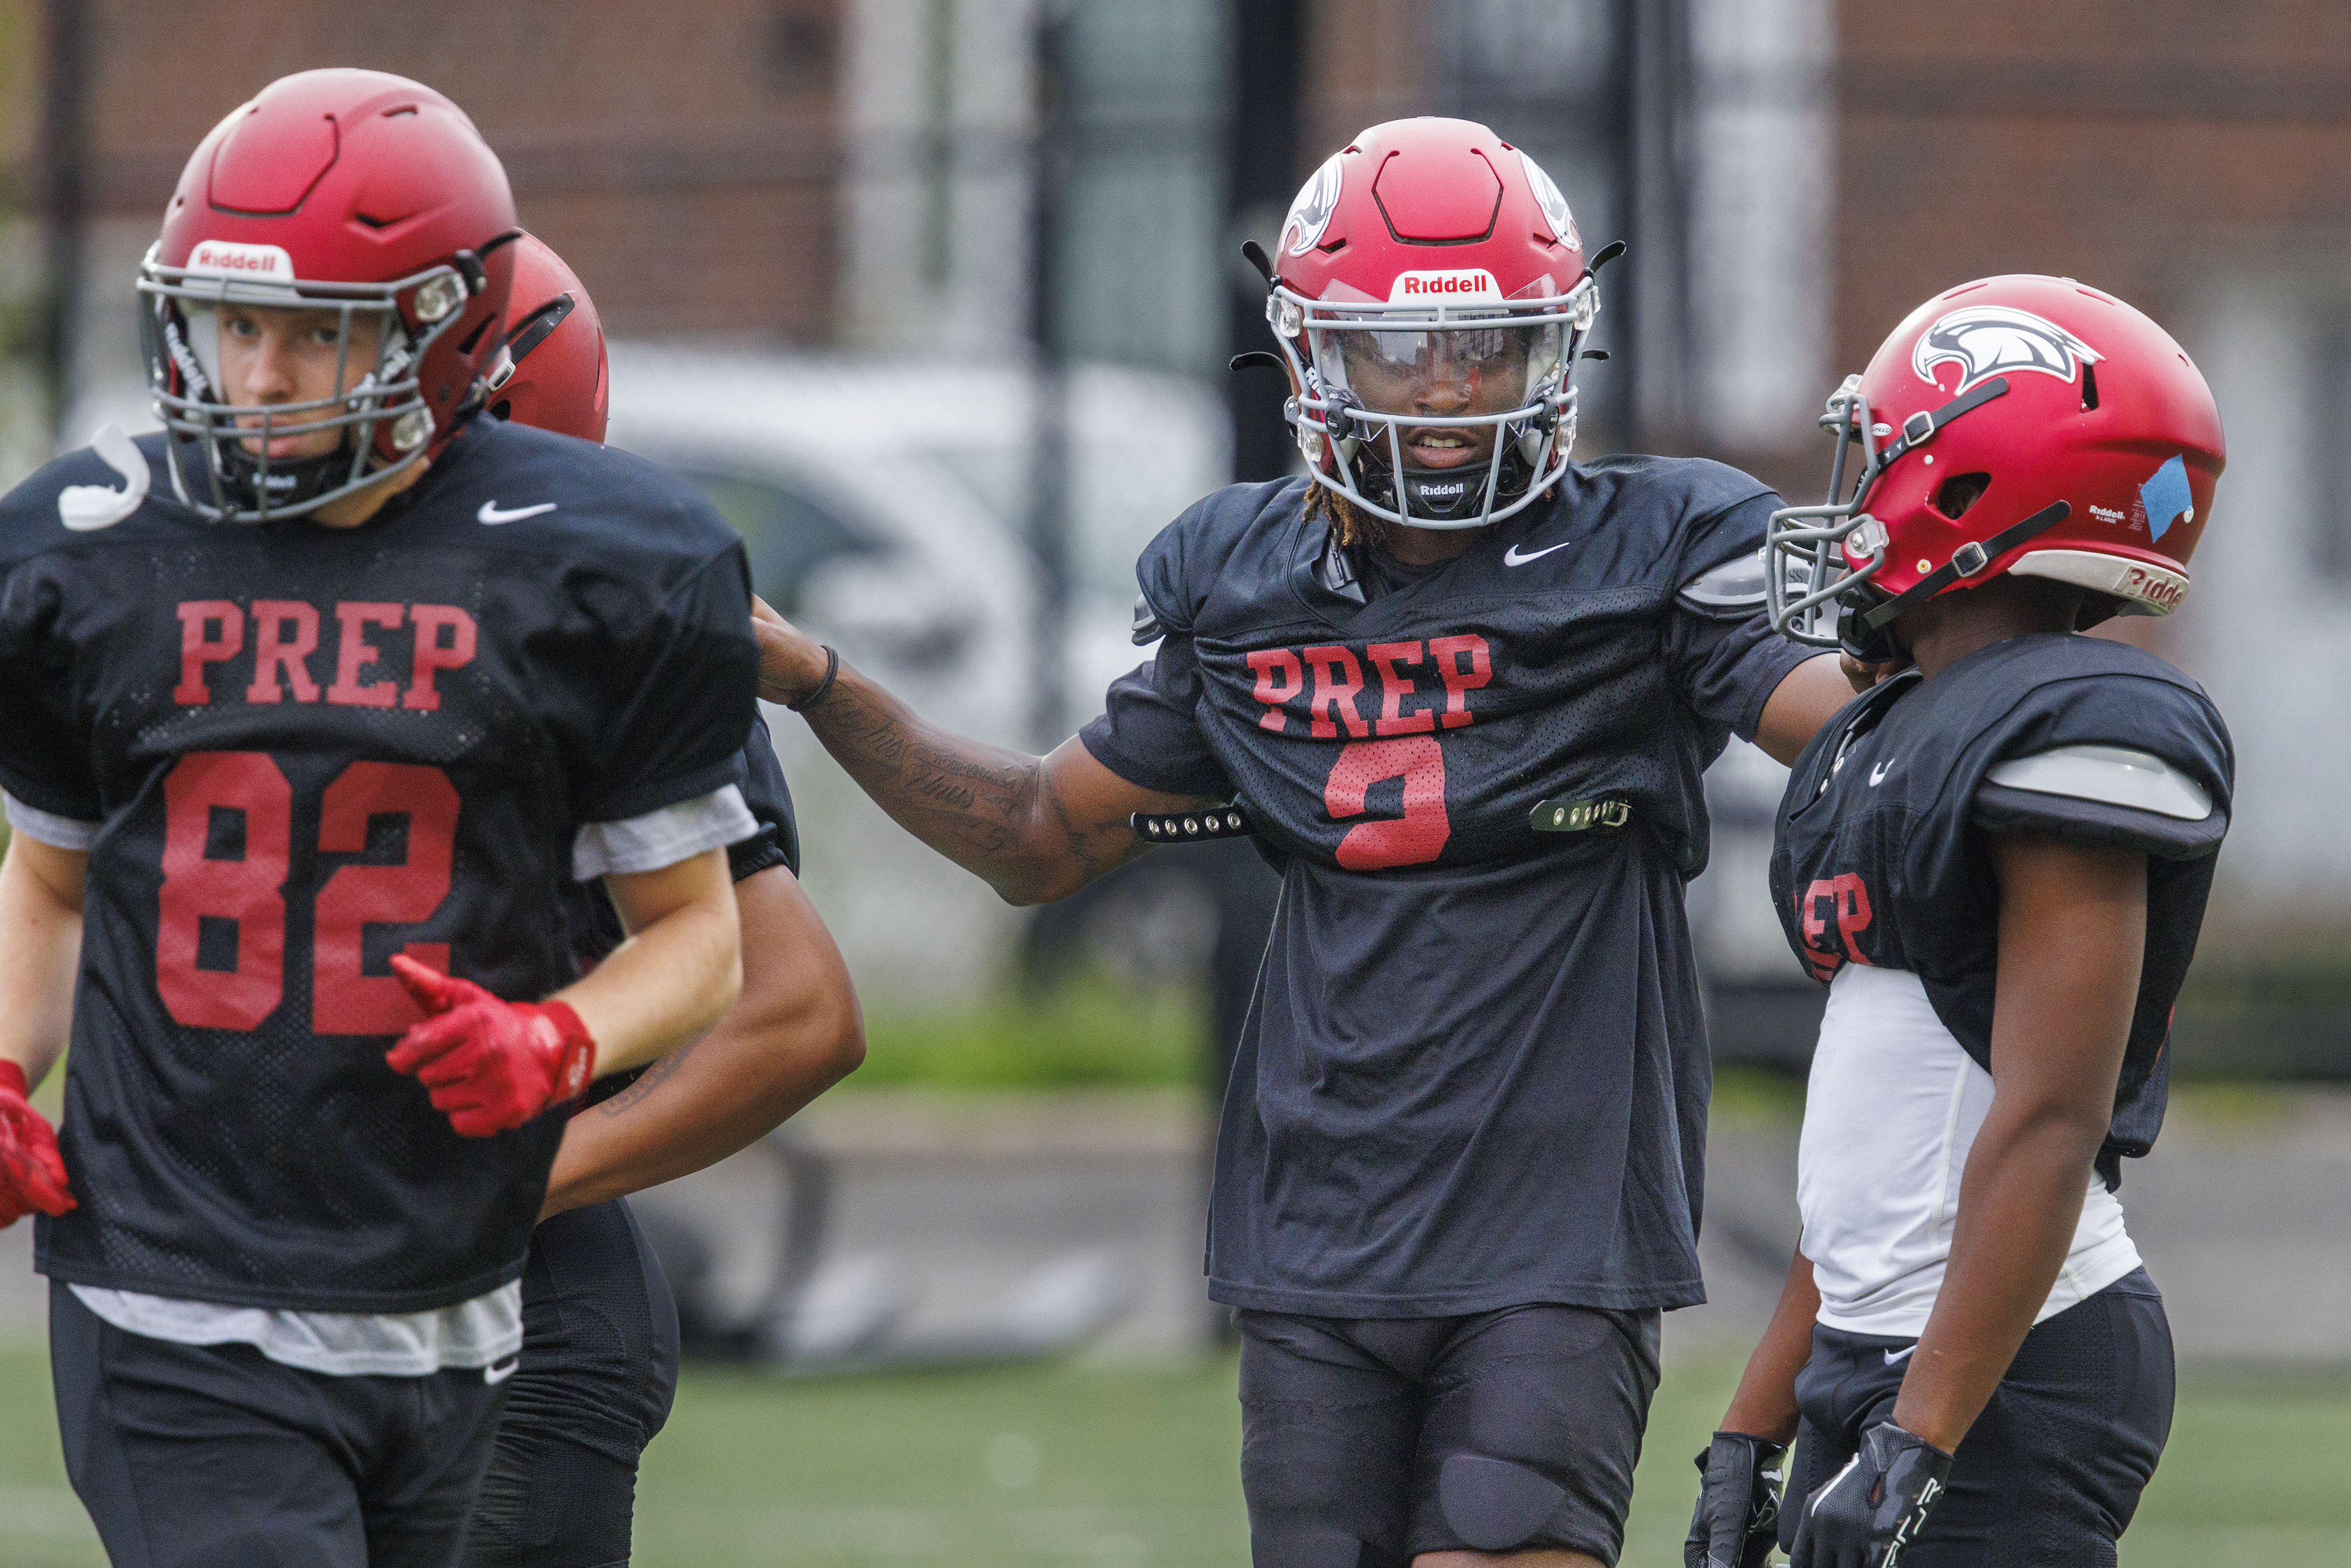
[2165,495]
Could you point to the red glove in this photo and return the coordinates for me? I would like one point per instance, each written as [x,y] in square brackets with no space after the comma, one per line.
[32,1176]
[491,1065]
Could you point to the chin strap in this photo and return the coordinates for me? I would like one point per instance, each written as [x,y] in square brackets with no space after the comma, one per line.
[1966,561]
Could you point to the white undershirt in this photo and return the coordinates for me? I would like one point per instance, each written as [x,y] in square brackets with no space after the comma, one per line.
[479,1332]
[1893,1108]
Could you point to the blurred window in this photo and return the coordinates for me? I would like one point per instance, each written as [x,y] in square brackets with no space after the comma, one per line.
[786,532]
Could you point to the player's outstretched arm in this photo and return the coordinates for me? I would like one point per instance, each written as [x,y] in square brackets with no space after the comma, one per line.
[793,1033]
[40,953]
[1034,828]
[1807,697]
[2073,933]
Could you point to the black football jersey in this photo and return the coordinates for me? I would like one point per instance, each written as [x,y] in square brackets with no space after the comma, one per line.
[1475,1071]
[1879,855]
[311,748]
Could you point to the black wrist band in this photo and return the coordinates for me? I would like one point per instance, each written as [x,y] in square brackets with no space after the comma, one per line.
[831,669]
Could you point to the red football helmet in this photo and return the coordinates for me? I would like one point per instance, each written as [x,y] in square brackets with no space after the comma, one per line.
[2019,424]
[553,372]
[1430,289]
[345,190]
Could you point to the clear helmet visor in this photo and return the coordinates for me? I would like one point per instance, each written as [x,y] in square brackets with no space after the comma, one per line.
[1471,370]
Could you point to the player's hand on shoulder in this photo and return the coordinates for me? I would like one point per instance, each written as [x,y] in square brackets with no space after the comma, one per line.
[1861,674]
[1874,1507]
[490,1065]
[791,662]
[32,1173]
[1738,1517]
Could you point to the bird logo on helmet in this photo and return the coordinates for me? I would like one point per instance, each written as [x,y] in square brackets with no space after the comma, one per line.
[2079,443]
[1310,214]
[1986,340]
[366,197]
[1430,299]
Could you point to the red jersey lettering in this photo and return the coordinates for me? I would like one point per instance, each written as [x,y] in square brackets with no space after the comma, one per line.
[1333,698]
[276,658]
[1461,681]
[432,655]
[1279,679]
[355,654]
[1842,901]
[198,646]
[1394,688]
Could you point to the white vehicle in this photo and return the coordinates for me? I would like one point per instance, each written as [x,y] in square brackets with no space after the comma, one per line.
[884,506]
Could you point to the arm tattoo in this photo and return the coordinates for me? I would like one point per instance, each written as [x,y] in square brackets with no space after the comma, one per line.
[660,1067]
[971,802]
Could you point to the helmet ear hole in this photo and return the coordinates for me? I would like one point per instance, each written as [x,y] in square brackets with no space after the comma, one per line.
[2089,388]
[1959,492]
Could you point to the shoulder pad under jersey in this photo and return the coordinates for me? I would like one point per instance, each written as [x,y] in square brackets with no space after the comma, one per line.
[1146,624]
[2110,775]
[1733,588]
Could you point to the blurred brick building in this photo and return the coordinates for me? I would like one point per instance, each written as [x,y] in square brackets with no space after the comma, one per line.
[627,130]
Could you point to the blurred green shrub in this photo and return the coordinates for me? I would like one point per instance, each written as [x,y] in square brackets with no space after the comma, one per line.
[1091,1029]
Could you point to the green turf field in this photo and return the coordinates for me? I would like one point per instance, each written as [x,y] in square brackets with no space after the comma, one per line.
[1119,1466]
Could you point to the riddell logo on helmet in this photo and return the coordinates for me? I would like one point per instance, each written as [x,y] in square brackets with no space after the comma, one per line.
[231,258]
[2152,585]
[1467,283]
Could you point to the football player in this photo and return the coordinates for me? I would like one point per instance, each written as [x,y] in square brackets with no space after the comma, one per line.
[310,706]
[1462,689]
[1997,861]
[599,1363]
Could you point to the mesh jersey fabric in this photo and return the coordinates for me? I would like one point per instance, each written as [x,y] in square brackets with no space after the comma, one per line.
[1879,857]
[1474,1074]
[425,685]
[472,1334]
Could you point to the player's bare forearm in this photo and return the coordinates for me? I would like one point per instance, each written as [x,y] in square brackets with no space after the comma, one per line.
[1765,1404]
[678,972]
[40,950]
[1807,697]
[792,1034]
[1035,828]
[2073,933]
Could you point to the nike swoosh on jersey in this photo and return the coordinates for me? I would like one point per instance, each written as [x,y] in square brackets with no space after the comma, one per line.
[491,514]
[498,1371]
[1515,558]
[1896,1357]
[1512,558]
[1879,773]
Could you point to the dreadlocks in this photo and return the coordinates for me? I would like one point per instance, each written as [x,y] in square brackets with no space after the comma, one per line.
[1353,527]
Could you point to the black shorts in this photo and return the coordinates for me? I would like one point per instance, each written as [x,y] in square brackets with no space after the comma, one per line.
[599,1369]
[1366,1441]
[2052,1471]
[217,1456]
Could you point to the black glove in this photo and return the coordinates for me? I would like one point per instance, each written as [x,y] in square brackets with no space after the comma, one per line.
[1875,1506]
[1738,1515]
